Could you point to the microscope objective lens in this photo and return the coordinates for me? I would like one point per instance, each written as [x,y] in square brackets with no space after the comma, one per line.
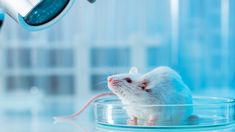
[45,12]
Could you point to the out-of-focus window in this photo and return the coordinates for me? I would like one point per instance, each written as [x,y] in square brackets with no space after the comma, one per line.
[18,58]
[110,57]
[55,58]
[155,58]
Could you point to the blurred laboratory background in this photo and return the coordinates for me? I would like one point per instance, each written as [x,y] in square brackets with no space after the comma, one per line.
[41,72]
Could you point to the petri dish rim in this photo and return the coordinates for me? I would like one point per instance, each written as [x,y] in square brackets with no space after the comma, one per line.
[204,127]
[217,101]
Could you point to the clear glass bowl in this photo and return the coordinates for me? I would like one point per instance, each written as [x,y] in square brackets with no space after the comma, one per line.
[211,112]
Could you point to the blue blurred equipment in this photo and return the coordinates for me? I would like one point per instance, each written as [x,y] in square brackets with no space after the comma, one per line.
[36,15]
[1,18]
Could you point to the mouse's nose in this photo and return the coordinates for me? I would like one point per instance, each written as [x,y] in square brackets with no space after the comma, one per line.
[110,79]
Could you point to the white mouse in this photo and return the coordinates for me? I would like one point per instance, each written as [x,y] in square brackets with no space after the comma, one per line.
[161,86]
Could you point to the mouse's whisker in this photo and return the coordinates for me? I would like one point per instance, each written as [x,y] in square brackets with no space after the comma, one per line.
[101,83]
[101,88]
[118,85]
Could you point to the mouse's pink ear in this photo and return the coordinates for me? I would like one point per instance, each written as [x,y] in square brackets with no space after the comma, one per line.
[144,84]
[146,81]
[133,70]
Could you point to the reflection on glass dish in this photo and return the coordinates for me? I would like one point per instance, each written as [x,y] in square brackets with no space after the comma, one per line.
[211,112]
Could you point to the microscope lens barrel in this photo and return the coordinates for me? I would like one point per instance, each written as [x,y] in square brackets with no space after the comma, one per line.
[91,1]
[45,11]
[1,18]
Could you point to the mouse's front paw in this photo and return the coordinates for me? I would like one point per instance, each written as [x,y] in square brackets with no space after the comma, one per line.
[132,121]
[151,122]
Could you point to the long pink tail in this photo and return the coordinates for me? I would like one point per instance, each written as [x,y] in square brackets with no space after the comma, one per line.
[70,117]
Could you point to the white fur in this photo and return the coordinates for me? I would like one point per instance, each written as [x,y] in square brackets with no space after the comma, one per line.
[166,87]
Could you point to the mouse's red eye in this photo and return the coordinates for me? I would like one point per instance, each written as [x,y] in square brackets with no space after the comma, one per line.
[128,80]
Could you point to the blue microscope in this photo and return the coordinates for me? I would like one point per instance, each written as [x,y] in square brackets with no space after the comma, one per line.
[34,15]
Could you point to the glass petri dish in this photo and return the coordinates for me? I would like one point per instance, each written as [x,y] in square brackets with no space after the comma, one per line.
[210,112]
